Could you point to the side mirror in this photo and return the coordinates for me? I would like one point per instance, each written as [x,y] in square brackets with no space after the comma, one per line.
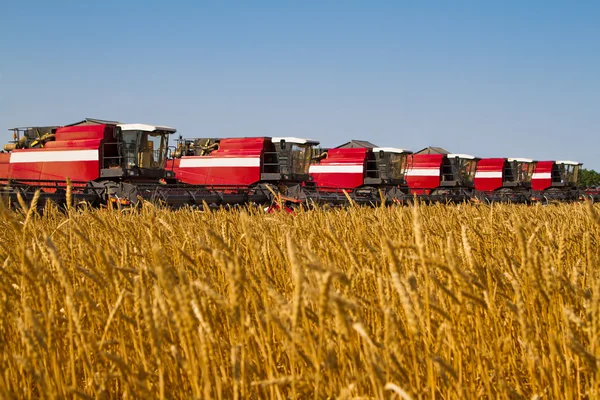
[282,144]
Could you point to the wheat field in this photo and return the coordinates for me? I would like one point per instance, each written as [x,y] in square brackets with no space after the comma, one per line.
[430,302]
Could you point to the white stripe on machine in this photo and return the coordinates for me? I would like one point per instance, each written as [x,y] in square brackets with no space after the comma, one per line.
[336,169]
[423,172]
[219,162]
[32,156]
[488,174]
[541,175]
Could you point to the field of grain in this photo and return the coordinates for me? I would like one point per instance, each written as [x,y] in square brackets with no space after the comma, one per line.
[441,302]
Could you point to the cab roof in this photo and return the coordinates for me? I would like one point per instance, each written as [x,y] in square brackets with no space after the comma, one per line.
[146,128]
[391,150]
[290,139]
[465,156]
[520,159]
[569,162]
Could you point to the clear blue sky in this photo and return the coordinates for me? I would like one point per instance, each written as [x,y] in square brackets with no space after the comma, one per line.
[503,78]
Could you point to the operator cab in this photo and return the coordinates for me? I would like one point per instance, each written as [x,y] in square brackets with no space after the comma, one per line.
[141,152]
[387,165]
[289,159]
[565,173]
[518,171]
[458,170]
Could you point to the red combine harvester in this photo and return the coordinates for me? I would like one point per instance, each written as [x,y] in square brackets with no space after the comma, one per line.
[504,179]
[238,170]
[103,160]
[441,177]
[368,175]
[556,180]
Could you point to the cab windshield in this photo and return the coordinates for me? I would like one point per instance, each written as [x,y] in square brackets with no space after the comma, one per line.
[569,173]
[301,157]
[465,169]
[398,165]
[524,171]
[144,149]
[153,150]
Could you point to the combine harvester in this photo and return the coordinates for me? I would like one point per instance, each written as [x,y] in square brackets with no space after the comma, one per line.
[441,177]
[504,180]
[557,181]
[365,175]
[111,162]
[240,170]
[103,160]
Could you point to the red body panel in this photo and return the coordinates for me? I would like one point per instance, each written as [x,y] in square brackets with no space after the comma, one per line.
[75,153]
[490,174]
[424,172]
[542,175]
[237,162]
[81,132]
[4,163]
[343,168]
[55,170]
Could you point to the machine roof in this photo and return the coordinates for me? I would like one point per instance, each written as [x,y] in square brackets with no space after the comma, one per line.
[356,144]
[146,128]
[94,121]
[433,150]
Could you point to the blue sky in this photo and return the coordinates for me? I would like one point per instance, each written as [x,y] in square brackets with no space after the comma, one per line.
[503,78]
